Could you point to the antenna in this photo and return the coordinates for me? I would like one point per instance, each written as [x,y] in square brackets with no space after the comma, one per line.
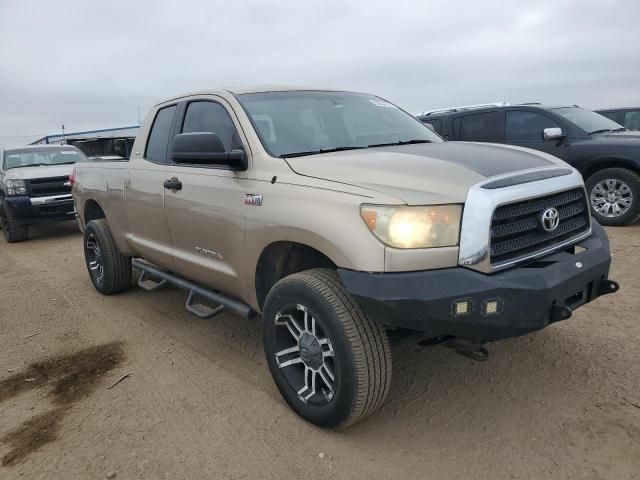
[139,122]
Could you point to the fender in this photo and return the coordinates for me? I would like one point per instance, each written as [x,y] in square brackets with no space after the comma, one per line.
[600,162]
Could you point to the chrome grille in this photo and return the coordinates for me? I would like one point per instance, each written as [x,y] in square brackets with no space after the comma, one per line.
[516,228]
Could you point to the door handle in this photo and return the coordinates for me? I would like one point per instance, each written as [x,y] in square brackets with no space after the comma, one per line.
[173,184]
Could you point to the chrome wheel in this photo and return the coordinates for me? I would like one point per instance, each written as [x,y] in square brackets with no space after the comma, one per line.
[305,355]
[611,198]
[94,259]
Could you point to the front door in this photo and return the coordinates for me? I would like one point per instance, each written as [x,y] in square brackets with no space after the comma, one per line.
[525,129]
[203,216]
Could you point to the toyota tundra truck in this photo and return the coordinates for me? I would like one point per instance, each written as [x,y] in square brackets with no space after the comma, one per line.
[337,218]
[35,187]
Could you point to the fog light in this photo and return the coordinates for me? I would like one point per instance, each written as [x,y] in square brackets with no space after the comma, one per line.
[492,306]
[462,307]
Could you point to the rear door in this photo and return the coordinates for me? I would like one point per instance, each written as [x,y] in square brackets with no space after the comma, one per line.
[204,216]
[145,192]
[525,129]
[476,127]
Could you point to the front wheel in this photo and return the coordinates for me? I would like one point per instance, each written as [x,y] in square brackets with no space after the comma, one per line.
[110,271]
[330,362]
[614,195]
[12,231]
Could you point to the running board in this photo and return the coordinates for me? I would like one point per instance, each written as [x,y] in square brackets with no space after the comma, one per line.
[149,284]
[198,309]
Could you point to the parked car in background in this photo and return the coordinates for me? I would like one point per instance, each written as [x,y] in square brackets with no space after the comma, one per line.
[603,151]
[629,118]
[338,216]
[35,188]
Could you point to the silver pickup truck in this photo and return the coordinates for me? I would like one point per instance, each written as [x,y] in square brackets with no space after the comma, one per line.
[338,217]
[35,187]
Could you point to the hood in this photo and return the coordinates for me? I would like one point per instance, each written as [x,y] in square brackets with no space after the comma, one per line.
[30,173]
[423,173]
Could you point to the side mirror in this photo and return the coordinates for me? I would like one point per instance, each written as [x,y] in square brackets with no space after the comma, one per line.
[204,148]
[553,133]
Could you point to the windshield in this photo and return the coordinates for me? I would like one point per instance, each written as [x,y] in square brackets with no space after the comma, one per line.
[590,122]
[32,157]
[306,122]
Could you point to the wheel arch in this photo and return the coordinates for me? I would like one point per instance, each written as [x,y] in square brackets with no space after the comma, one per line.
[601,163]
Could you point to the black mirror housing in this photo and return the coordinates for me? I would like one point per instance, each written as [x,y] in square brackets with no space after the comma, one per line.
[204,148]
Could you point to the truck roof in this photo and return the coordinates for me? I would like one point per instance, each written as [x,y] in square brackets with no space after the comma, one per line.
[253,89]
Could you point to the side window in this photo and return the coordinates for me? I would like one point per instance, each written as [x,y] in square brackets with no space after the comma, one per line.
[436,123]
[632,119]
[206,116]
[159,135]
[479,127]
[527,126]
[611,115]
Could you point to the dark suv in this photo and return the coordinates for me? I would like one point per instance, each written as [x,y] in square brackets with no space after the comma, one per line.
[627,117]
[603,151]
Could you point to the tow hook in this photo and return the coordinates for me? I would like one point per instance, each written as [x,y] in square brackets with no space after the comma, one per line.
[473,350]
[608,286]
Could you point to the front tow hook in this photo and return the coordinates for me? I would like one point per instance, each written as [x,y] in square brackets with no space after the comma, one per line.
[608,286]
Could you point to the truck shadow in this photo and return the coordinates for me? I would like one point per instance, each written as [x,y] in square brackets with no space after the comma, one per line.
[58,230]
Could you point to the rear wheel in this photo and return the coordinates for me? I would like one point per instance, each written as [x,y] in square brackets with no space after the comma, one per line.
[330,362]
[614,195]
[110,271]
[13,232]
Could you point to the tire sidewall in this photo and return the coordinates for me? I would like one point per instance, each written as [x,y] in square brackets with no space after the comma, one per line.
[632,181]
[106,285]
[341,405]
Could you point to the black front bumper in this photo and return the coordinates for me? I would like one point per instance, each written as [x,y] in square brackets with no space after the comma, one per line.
[22,212]
[527,298]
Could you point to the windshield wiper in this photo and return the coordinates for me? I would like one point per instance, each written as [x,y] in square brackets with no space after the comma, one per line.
[604,130]
[32,165]
[401,142]
[316,152]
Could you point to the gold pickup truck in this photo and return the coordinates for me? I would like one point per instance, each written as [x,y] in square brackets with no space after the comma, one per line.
[337,217]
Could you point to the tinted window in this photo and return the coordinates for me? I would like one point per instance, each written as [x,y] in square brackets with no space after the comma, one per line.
[632,120]
[610,115]
[527,126]
[159,136]
[212,117]
[479,127]
[436,123]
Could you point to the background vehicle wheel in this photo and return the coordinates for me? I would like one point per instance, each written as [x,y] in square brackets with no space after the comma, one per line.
[330,362]
[13,233]
[110,271]
[614,195]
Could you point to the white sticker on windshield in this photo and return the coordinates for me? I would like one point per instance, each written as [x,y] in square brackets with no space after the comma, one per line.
[68,152]
[380,103]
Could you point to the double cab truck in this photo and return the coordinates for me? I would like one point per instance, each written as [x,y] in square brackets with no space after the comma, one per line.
[35,187]
[603,151]
[337,218]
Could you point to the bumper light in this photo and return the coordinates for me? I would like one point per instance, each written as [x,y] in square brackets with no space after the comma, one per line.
[492,306]
[460,308]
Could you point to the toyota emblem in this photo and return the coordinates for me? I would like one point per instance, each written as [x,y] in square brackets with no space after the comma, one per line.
[550,219]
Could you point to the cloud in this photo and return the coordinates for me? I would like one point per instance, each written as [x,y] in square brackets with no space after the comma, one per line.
[92,64]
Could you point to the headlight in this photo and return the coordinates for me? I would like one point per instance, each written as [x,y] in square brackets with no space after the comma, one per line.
[15,183]
[414,227]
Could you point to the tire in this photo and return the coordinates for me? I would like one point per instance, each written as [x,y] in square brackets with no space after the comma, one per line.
[12,232]
[110,272]
[353,348]
[624,187]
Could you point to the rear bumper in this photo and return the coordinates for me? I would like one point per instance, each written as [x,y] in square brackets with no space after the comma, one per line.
[527,298]
[26,211]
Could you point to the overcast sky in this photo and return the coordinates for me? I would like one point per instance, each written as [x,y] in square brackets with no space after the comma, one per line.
[91,64]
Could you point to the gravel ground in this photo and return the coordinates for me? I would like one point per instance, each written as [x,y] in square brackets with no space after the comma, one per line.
[198,401]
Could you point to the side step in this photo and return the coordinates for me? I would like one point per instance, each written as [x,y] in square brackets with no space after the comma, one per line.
[202,311]
[149,284]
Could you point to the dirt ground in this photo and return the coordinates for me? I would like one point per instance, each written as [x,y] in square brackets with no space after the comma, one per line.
[198,401]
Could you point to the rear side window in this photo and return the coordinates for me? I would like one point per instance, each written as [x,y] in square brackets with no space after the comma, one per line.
[525,126]
[632,120]
[436,123]
[479,127]
[212,117]
[159,136]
